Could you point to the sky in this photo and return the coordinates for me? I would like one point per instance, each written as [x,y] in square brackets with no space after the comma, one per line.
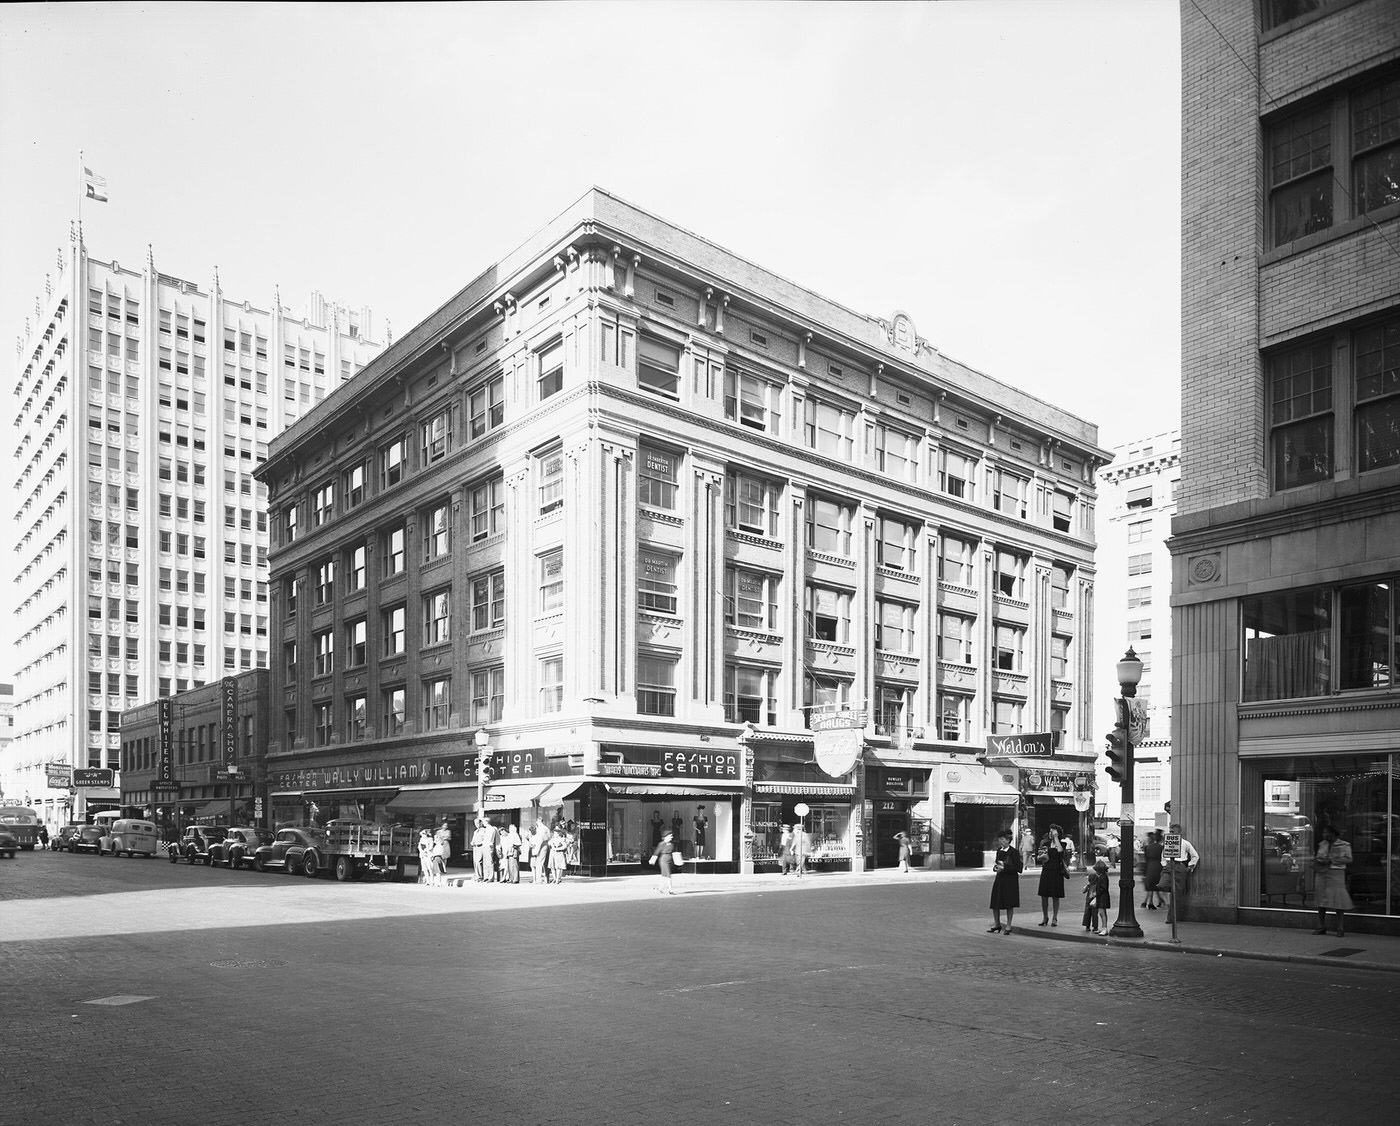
[1004,171]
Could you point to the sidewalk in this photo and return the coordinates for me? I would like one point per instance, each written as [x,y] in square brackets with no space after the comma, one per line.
[1223,940]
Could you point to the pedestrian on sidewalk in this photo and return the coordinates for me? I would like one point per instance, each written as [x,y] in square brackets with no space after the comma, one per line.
[1006,887]
[539,854]
[800,843]
[785,851]
[1180,872]
[442,852]
[1333,857]
[1052,878]
[1103,898]
[1027,846]
[1152,870]
[905,850]
[662,858]
[511,844]
[558,854]
[425,858]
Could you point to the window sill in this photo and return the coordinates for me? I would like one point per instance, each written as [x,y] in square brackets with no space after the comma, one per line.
[1335,233]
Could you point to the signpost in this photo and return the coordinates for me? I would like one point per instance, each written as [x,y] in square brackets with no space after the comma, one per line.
[1171,851]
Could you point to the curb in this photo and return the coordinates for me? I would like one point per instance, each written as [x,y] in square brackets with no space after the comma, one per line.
[1169,947]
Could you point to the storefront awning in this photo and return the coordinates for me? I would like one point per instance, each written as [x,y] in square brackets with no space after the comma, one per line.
[556,792]
[806,789]
[434,799]
[982,799]
[661,789]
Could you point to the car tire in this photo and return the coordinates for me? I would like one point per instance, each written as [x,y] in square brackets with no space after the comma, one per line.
[344,868]
[174,856]
[208,860]
[293,865]
[259,862]
[310,864]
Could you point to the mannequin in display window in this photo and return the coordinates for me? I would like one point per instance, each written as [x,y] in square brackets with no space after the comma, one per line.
[701,822]
[676,826]
[657,827]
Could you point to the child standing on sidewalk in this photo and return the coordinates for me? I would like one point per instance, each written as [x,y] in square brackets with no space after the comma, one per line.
[1102,899]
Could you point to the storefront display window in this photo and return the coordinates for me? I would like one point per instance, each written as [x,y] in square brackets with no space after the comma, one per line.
[1285,804]
[701,828]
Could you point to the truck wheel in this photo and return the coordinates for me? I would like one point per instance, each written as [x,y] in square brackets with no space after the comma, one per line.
[344,868]
[310,864]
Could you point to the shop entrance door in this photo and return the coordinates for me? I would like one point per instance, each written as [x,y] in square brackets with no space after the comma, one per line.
[971,825]
[886,847]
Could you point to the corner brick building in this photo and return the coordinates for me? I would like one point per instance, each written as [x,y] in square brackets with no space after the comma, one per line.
[1286,544]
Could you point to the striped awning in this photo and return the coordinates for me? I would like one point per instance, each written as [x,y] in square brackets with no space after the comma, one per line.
[806,789]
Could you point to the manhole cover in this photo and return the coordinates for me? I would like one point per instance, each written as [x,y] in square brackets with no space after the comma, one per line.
[248,964]
[1342,952]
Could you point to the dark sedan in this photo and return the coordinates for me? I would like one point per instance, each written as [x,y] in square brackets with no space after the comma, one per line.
[9,843]
[197,843]
[287,849]
[87,839]
[238,846]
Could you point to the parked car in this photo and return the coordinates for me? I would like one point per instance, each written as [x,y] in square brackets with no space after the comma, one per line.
[88,839]
[1107,844]
[238,846]
[288,848]
[59,841]
[9,843]
[195,844]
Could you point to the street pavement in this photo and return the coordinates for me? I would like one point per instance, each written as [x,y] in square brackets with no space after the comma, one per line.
[142,992]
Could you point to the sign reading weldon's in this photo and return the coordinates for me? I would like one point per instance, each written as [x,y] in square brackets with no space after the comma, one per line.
[1039,743]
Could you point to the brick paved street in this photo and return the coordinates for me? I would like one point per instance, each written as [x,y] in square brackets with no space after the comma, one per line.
[266,999]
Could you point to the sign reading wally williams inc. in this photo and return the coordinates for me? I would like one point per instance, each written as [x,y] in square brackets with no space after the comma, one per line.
[1039,743]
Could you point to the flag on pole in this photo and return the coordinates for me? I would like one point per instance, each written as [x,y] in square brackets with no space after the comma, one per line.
[96,185]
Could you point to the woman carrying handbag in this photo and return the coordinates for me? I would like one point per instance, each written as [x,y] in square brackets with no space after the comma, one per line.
[1333,857]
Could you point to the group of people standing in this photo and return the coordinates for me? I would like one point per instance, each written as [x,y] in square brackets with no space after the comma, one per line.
[1054,856]
[793,847]
[498,853]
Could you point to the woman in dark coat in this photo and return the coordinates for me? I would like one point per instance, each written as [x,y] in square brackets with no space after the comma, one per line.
[1006,888]
[1152,871]
[1052,878]
[662,854]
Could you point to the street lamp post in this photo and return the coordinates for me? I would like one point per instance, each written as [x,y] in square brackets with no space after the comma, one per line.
[1126,926]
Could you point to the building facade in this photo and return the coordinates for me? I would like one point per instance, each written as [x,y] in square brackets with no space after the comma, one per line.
[1136,505]
[198,755]
[629,517]
[143,404]
[1286,543]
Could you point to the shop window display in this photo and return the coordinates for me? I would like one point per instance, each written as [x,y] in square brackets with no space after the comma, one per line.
[1287,802]
[700,829]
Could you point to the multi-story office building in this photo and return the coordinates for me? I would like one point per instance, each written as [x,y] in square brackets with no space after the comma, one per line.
[633,511]
[141,555]
[1136,504]
[1286,543]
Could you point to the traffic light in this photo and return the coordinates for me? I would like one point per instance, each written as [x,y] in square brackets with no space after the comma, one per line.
[483,768]
[1120,755]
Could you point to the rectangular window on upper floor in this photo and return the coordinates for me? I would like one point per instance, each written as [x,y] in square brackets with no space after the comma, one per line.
[894,626]
[1318,175]
[896,453]
[436,435]
[1062,515]
[549,475]
[656,582]
[393,458]
[658,366]
[956,558]
[955,638]
[487,508]
[1011,575]
[750,503]
[486,406]
[829,523]
[751,598]
[957,474]
[550,380]
[657,473]
[829,429]
[895,543]
[751,401]
[828,614]
[322,504]
[1060,574]
[1009,493]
